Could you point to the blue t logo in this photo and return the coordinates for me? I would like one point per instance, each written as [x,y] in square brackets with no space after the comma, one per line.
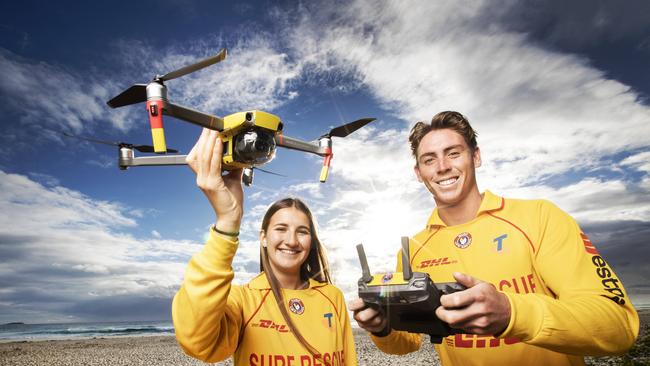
[329,318]
[499,241]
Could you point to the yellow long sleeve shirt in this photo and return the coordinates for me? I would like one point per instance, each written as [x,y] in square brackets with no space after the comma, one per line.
[214,319]
[566,301]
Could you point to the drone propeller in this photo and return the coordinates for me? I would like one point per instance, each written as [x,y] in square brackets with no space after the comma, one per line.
[135,94]
[348,128]
[140,148]
[138,93]
[194,67]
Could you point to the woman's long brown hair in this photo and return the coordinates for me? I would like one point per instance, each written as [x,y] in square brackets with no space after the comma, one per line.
[315,266]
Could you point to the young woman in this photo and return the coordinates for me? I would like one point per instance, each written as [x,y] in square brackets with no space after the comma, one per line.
[290,314]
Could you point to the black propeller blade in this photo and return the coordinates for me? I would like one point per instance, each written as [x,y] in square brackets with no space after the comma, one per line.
[146,148]
[135,94]
[194,67]
[346,129]
[138,92]
[140,148]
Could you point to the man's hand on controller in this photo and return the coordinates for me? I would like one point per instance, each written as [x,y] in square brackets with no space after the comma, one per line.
[480,309]
[368,318]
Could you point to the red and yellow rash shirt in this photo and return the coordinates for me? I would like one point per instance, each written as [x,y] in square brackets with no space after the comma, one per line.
[214,319]
[566,301]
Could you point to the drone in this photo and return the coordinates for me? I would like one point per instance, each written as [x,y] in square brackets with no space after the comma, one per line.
[250,137]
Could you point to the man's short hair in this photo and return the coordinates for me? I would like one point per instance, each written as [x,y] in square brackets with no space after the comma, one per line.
[443,120]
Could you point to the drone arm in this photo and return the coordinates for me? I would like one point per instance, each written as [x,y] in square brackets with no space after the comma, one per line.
[295,144]
[127,159]
[154,160]
[193,116]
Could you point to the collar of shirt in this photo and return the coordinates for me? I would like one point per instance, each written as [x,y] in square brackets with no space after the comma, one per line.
[490,202]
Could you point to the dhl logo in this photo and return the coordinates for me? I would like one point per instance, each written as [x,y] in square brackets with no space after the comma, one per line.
[478,341]
[435,262]
[264,323]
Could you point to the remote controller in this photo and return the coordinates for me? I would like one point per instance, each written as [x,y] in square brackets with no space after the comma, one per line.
[409,299]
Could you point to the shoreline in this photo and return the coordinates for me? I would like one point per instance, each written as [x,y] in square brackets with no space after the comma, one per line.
[81,338]
[162,349]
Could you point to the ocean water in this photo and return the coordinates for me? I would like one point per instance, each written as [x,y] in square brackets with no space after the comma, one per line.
[18,332]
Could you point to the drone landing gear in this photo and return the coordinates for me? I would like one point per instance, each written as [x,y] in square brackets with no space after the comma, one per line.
[247,178]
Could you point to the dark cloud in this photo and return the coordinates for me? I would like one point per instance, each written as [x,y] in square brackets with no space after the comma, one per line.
[614,36]
[27,293]
[14,247]
[122,308]
[578,24]
[624,244]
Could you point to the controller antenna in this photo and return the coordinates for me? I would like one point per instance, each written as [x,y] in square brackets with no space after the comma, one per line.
[366,276]
[406,265]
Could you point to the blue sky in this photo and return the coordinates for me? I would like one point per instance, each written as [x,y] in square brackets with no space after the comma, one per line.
[559,96]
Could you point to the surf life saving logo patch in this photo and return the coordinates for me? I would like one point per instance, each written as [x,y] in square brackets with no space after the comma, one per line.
[463,240]
[296,306]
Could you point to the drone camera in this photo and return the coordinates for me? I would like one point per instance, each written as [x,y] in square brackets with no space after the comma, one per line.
[255,146]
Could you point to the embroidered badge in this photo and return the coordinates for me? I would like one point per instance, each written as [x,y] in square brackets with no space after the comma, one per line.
[296,306]
[463,240]
[387,277]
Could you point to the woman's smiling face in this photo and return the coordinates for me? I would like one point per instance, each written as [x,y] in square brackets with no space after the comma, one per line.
[287,240]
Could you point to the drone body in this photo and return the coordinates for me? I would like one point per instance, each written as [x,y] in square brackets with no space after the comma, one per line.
[250,138]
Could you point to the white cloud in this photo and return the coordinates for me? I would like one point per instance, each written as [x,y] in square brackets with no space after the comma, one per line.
[56,237]
[542,112]
[594,200]
[640,161]
[253,76]
[310,188]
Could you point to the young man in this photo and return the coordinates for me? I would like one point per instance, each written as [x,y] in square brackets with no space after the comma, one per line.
[538,292]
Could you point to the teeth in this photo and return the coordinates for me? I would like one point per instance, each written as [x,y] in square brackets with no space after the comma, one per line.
[288,251]
[447,181]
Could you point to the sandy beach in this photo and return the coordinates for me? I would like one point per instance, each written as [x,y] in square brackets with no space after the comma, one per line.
[163,350]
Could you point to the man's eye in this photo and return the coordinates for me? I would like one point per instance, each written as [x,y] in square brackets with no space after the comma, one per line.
[454,154]
[428,161]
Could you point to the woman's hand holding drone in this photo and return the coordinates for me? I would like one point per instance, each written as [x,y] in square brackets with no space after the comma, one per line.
[224,191]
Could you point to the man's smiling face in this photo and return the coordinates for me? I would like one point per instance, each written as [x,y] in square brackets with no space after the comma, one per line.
[446,165]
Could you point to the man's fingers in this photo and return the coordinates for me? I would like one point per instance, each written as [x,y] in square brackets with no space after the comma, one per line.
[466,280]
[458,299]
[462,298]
[356,304]
[369,317]
[460,318]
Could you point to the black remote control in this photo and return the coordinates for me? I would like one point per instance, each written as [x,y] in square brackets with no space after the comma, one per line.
[409,299]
